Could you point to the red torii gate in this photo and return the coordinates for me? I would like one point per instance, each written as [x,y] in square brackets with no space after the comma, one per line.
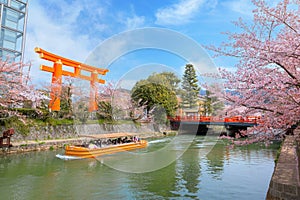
[57,73]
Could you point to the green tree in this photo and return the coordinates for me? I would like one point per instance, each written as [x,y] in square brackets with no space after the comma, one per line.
[190,87]
[66,101]
[207,104]
[105,110]
[212,104]
[157,92]
[152,94]
[168,79]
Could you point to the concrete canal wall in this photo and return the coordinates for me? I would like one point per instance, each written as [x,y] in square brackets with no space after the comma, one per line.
[285,183]
[74,131]
[53,137]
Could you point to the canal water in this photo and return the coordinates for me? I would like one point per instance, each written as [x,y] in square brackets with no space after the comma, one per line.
[207,169]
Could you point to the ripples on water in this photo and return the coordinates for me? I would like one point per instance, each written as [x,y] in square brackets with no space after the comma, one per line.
[208,169]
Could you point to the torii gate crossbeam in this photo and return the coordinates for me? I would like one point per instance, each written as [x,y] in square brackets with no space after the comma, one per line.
[57,73]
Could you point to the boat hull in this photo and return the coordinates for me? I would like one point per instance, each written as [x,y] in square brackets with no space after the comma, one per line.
[84,152]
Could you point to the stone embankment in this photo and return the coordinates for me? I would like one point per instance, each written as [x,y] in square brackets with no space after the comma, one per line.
[43,138]
[285,184]
[73,131]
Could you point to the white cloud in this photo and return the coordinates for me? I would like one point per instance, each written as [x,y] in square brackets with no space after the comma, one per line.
[179,13]
[243,7]
[130,19]
[135,22]
[211,4]
[54,35]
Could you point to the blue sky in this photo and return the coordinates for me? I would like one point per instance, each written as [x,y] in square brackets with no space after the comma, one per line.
[75,28]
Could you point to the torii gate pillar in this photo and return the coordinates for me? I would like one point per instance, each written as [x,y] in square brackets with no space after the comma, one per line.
[54,104]
[93,92]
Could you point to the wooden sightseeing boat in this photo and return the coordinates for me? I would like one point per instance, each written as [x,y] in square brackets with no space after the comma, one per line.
[101,145]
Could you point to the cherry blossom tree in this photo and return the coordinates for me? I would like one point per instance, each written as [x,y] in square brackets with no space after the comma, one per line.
[14,87]
[267,76]
[114,103]
[16,92]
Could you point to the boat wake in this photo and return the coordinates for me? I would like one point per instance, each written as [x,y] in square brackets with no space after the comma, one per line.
[64,157]
[159,141]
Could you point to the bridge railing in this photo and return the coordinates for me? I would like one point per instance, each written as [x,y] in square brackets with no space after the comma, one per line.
[234,119]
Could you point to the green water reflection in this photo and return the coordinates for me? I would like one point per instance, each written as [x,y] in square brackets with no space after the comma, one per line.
[223,173]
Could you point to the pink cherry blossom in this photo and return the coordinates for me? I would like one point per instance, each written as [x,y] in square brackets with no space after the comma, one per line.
[15,86]
[267,77]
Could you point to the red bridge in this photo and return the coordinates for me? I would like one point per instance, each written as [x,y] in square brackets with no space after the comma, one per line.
[232,124]
[247,121]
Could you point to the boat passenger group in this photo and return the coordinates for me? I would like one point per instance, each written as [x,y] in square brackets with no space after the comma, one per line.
[94,144]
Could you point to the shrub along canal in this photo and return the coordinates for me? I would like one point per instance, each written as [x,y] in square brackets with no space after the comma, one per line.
[222,172]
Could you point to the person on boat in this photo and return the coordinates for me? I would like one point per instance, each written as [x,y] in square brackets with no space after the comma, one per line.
[104,142]
[126,140]
[84,144]
[109,141]
[119,141]
[136,139]
[114,141]
[92,146]
[99,143]
[131,139]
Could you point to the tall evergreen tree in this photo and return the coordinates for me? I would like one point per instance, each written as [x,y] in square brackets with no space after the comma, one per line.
[190,87]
